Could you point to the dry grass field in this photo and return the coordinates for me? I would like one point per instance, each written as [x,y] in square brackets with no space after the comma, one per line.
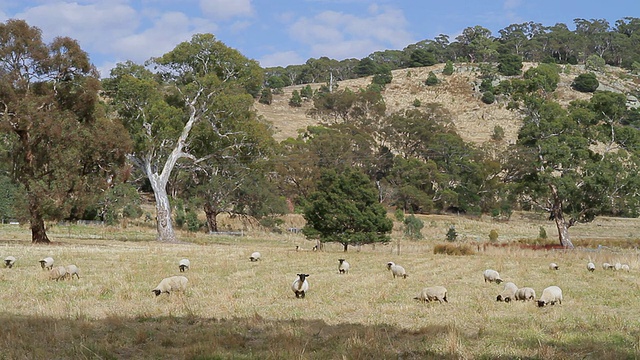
[237,309]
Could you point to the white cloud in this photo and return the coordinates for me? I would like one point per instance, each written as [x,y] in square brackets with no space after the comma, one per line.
[284,59]
[226,9]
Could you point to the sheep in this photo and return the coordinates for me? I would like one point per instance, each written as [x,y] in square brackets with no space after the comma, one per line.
[72,270]
[550,295]
[255,256]
[9,261]
[492,276]
[397,270]
[525,293]
[607,266]
[624,267]
[184,265]
[343,266]
[300,285]
[591,267]
[171,284]
[57,273]
[433,293]
[46,263]
[508,292]
[617,266]
[553,266]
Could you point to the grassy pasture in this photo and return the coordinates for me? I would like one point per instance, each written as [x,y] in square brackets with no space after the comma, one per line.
[235,309]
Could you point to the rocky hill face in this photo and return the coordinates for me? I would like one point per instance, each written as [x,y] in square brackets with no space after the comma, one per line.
[457,93]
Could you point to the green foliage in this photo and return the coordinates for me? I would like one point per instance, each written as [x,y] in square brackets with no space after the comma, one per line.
[542,234]
[306,92]
[399,215]
[179,213]
[488,97]
[448,68]
[11,200]
[432,79]
[413,227]
[296,99]
[543,77]
[486,85]
[452,235]
[417,103]
[594,63]
[422,57]
[509,64]
[382,76]
[498,133]
[266,96]
[586,82]
[121,201]
[451,249]
[493,235]
[192,222]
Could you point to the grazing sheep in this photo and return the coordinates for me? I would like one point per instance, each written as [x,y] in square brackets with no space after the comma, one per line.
[255,256]
[57,273]
[492,276]
[624,267]
[170,284]
[72,270]
[508,292]
[553,266]
[300,286]
[46,263]
[591,267]
[525,293]
[184,265]
[396,270]
[9,261]
[343,266]
[550,295]
[617,266]
[433,293]
[607,266]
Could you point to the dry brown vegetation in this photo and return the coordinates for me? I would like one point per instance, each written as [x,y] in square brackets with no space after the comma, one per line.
[239,309]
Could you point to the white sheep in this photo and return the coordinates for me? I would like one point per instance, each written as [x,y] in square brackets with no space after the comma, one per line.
[255,256]
[343,266]
[617,266]
[72,270]
[553,266]
[624,267]
[550,295]
[492,276]
[508,292]
[525,293]
[57,273]
[184,265]
[300,285]
[397,270]
[171,284]
[46,263]
[9,261]
[591,266]
[607,266]
[433,293]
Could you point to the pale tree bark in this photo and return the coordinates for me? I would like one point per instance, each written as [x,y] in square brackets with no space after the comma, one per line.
[561,223]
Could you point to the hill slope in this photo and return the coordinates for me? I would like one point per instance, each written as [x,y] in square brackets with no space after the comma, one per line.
[457,93]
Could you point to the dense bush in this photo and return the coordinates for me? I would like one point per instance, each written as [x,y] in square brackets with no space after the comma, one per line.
[488,97]
[451,249]
[585,82]
[432,79]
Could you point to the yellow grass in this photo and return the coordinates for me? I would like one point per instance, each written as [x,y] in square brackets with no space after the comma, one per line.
[239,309]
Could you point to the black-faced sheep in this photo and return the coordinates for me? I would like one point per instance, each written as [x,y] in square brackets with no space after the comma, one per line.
[553,266]
[57,273]
[343,266]
[433,293]
[491,276]
[255,256]
[591,266]
[397,270]
[171,284]
[9,261]
[300,285]
[525,293]
[46,263]
[550,295]
[184,265]
[607,266]
[508,292]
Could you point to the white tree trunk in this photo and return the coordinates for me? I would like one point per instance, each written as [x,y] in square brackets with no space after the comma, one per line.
[163,211]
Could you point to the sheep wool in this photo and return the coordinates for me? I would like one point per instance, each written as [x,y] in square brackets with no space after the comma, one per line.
[433,293]
[591,266]
[300,285]
[491,275]
[255,256]
[624,267]
[171,284]
[525,293]
[553,266]
[46,263]
[508,292]
[57,273]
[607,266]
[550,295]
[397,270]
[9,261]
[343,266]
[72,270]
[184,265]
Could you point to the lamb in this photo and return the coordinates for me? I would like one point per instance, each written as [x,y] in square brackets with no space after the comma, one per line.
[171,284]
[57,273]
[9,261]
[525,293]
[255,256]
[617,266]
[492,276]
[508,292]
[46,263]
[553,266]
[300,286]
[184,265]
[433,293]
[550,295]
[397,270]
[591,267]
[343,266]
[607,266]
[72,270]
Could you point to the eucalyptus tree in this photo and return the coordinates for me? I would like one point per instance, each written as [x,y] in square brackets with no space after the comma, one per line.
[63,147]
[190,87]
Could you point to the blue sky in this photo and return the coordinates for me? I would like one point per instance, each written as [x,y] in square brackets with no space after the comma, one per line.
[281,33]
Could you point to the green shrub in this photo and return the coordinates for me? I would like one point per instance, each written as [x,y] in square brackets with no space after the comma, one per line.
[493,235]
[498,133]
[448,68]
[452,235]
[296,99]
[432,79]
[585,82]
[543,233]
[266,97]
[417,103]
[488,97]
[413,227]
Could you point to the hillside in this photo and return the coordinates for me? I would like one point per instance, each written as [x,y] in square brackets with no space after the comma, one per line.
[457,93]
